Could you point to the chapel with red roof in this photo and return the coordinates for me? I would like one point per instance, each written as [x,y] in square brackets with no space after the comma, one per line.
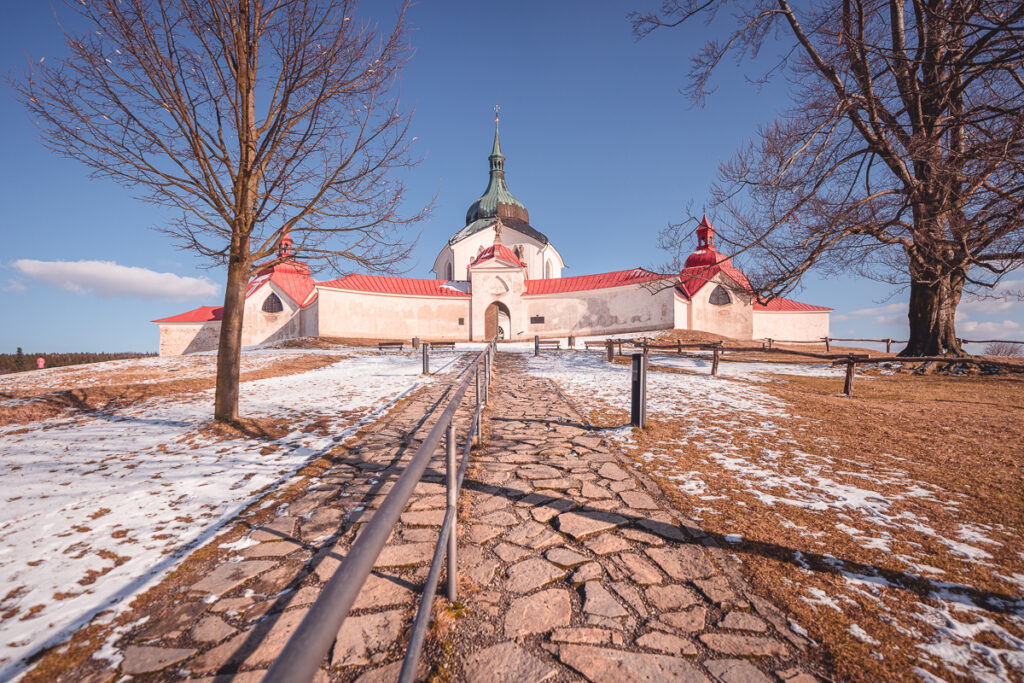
[499,275]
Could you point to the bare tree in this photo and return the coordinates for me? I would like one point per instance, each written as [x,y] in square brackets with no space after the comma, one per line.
[902,157]
[1004,349]
[252,118]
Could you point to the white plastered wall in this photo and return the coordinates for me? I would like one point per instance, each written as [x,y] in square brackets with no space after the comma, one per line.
[179,338]
[464,252]
[369,315]
[632,308]
[682,313]
[734,319]
[791,325]
[494,281]
[258,327]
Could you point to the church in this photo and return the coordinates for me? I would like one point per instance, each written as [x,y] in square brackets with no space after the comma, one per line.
[500,276]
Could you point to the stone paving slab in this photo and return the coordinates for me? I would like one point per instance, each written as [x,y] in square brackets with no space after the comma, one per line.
[619,589]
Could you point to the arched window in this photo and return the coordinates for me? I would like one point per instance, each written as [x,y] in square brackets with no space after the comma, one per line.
[547,270]
[518,251]
[449,272]
[719,297]
[272,304]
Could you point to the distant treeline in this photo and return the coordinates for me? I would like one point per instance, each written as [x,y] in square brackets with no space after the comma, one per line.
[19,361]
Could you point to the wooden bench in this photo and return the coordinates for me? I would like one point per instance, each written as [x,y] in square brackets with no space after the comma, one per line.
[550,344]
[595,345]
[390,346]
[442,345]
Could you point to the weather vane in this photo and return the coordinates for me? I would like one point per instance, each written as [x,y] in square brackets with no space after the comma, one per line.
[497,108]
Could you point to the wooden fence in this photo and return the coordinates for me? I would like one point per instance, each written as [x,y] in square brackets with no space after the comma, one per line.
[851,360]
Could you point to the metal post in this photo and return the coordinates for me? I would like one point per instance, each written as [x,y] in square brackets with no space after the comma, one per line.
[714,363]
[679,347]
[851,369]
[453,562]
[476,414]
[426,358]
[487,380]
[610,348]
[536,345]
[638,392]
[572,342]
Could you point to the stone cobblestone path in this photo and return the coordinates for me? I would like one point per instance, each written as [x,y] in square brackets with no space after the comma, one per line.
[573,567]
[576,568]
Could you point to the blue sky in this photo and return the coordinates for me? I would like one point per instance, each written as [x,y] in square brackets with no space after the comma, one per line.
[600,145]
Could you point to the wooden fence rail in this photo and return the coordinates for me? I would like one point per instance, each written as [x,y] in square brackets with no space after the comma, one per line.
[850,360]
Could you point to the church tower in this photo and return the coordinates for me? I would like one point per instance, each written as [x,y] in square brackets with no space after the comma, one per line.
[528,244]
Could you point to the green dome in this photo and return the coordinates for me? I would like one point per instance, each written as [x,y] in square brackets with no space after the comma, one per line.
[496,199]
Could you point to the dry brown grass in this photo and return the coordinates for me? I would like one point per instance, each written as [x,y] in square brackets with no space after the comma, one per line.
[959,437]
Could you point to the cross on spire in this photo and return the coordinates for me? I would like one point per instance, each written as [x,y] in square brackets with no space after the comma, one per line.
[497,108]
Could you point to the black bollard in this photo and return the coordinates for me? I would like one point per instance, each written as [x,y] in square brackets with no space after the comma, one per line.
[426,358]
[638,391]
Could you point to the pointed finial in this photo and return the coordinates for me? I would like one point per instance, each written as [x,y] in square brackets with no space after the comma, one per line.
[496,148]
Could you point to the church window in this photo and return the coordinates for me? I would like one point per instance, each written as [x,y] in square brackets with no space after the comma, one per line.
[462,321]
[450,272]
[537,320]
[272,304]
[719,297]
[547,270]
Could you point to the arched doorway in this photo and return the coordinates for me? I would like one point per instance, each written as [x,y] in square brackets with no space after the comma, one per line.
[497,320]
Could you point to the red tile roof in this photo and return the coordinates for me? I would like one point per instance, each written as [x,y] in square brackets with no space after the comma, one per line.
[292,277]
[780,304]
[695,277]
[398,285]
[203,314]
[580,283]
[498,251]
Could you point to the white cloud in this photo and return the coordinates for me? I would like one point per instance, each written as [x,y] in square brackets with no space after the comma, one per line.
[109,279]
[1009,329]
[879,314]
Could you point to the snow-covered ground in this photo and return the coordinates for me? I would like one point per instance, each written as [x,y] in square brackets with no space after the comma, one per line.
[736,454]
[98,506]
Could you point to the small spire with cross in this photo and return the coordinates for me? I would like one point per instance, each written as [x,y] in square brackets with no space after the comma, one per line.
[497,108]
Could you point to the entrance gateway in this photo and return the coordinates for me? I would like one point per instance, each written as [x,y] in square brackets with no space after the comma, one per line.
[497,321]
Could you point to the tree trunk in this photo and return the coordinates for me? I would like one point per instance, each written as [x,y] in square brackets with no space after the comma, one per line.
[229,351]
[933,317]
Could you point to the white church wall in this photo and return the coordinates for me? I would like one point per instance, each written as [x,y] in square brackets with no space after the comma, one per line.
[369,315]
[492,282]
[600,311]
[464,252]
[260,326]
[731,320]
[791,325]
[682,313]
[180,338]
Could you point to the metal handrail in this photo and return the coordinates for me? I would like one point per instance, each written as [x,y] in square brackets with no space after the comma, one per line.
[301,657]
